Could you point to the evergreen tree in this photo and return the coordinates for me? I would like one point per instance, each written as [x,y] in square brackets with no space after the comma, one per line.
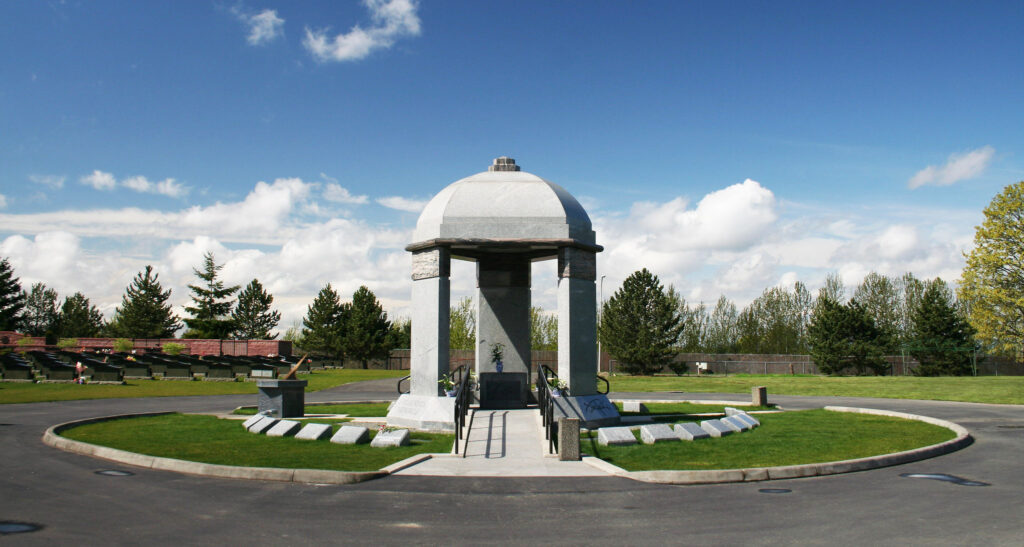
[993,279]
[841,336]
[79,318]
[144,311]
[462,325]
[641,325]
[366,328]
[12,298]
[943,341]
[212,309]
[41,311]
[400,334]
[324,323]
[252,317]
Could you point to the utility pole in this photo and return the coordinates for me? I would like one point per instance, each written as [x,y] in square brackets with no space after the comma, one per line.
[600,305]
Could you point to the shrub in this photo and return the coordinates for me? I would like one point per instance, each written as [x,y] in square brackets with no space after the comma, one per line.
[174,348]
[24,341]
[65,343]
[678,367]
[123,345]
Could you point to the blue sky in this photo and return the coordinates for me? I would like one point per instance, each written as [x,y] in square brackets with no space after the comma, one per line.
[726,147]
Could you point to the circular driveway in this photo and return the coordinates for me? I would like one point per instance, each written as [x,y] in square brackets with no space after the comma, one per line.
[69,501]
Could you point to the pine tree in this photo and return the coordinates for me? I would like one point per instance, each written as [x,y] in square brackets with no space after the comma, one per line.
[12,298]
[144,311]
[211,312]
[41,311]
[366,329]
[841,336]
[943,341]
[79,318]
[400,334]
[641,325]
[324,323]
[252,317]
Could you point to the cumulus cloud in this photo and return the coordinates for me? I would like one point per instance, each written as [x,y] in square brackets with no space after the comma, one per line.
[403,204]
[166,187]
[264,26]
[958,167]
[392,19]
[99,180]
[339,194]
[53,181]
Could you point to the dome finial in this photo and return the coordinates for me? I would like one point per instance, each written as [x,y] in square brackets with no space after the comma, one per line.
[503,163]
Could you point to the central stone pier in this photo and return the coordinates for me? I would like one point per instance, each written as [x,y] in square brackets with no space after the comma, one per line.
[504,219]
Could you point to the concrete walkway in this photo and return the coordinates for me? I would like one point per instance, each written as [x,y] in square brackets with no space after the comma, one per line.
[503,443]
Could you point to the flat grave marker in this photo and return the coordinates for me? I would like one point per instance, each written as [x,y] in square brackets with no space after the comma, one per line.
[314,432]
[351,434]
[690,431]
[284,428]
[615,436]
[397,437]
[716,428]
[657,433]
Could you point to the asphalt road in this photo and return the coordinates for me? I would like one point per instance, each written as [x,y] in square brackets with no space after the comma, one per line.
[62,494]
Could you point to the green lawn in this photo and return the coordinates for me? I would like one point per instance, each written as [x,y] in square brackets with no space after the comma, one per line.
[34,393]
[786,438]
[352,409]
[981,389]
[212,440]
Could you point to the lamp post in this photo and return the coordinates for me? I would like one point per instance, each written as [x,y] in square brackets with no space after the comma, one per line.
[599,310]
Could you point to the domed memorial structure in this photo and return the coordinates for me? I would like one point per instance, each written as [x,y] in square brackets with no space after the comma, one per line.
[503,219]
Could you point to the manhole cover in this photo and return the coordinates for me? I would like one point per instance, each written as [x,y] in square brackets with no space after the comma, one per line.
[17,527]
[775,490]
[114,473]
[943,477]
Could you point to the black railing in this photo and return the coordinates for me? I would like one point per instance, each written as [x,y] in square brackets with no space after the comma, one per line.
[607,386]
[463,397]
[399,386]
[546,405]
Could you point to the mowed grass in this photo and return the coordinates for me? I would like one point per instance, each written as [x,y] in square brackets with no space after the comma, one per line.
[361,410]
[980,389]
[786,438]
[209,439]
[34,393]
[687,408]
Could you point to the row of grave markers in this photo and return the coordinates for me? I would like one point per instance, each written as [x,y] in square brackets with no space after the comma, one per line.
[347,434]
[735,421]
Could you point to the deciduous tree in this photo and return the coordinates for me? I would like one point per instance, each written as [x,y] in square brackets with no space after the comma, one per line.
[40,311]
[462,325]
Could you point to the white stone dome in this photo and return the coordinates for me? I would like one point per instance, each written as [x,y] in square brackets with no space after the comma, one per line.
[503,204]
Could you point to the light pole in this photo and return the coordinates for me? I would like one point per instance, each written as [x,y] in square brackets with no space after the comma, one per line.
[599,310]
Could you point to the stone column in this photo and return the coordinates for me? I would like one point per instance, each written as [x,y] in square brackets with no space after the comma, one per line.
[431,287]
[577,320]
[503,312]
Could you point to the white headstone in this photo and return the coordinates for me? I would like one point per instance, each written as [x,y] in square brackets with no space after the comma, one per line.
[351,434]
[655,433]
[314,432]
[716,428]
[255,418]
[615,436]
[262,425]
[634,406]
[384,439]
[736,424]
[284,428]
[690,431]
[750,420]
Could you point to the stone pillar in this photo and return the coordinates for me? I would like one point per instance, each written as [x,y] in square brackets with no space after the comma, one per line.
[503,313]
[431,287]
[577,320]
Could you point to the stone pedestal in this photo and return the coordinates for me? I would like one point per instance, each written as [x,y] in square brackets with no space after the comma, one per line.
[504,390]
[759,396]
[568,439]
[283,398]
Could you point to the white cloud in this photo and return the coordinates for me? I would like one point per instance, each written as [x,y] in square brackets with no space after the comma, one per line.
[53,181]
[958,167]
[99,180]
[264,26]
[403,204]
[339,194]
[166,187]
[392,19]
[3,201]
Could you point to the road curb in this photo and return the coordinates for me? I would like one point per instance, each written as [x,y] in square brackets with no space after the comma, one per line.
[717,476]
[53,438]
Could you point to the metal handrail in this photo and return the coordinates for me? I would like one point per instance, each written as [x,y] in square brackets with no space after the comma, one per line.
[607,385]
[463,392]
[399,386]
[546,405]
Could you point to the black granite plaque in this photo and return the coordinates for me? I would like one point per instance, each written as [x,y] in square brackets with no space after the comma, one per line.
[503,390]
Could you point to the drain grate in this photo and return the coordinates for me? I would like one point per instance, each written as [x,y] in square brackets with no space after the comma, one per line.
[7,527]
[945,478]
[114,473]
[775,490]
